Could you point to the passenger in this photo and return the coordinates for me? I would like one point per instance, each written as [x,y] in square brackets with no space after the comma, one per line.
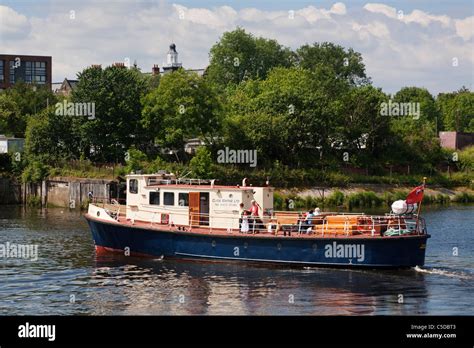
[243,212]
[257,222]
[309,218]
[317,211]
[244,225]
[254,208]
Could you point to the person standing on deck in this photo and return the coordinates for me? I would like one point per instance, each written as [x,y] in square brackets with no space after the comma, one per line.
[258,223]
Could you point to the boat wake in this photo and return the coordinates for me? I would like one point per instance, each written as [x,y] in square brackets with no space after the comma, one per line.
[438,271]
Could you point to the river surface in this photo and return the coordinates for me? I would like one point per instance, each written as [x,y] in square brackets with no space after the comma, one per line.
[68,278]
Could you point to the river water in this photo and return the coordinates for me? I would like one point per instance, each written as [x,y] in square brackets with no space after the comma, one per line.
[68,278]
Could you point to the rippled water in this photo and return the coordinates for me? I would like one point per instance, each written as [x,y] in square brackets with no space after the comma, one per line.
[68,278]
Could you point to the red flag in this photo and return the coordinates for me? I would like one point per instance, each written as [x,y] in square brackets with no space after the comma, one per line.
[416,195]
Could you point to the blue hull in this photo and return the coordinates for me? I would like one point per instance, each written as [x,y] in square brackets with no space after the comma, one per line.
[389,252]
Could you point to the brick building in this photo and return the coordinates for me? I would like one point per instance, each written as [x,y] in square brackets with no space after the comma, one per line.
[456,140]
[30,69]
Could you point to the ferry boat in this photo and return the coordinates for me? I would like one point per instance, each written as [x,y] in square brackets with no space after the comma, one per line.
[168,217]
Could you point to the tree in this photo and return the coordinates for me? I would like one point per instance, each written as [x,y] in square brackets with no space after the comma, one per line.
[457,110]
[288,117]
[11,120]
[49,138]
[201,164]
[346,64]
[19,102]
[239,55]
[182,107]
[115,93]
[362,129]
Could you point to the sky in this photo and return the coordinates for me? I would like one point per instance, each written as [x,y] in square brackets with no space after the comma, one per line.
[403,43]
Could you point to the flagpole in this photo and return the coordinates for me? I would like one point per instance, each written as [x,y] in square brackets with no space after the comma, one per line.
[419,206]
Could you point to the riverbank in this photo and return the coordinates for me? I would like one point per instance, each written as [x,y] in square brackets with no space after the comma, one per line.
[367,195]
[72,192]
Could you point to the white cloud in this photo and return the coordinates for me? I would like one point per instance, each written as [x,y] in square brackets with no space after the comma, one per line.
[465,27]
[11,22]
[413,49]
[388,11]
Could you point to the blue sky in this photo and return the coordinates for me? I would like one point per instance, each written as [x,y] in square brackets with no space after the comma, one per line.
[428,44]
[453,8]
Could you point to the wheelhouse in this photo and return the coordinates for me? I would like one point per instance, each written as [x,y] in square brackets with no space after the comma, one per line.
[164,199]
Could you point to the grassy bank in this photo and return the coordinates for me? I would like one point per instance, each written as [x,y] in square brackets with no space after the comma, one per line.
[365,199]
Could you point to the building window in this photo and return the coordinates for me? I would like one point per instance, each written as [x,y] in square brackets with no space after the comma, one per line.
[12,71]
[183,199]
[168,198]
[155,198]
[133,186]
[35,72]
[2,66]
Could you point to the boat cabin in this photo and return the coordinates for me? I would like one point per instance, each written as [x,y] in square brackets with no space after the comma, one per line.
[162,198]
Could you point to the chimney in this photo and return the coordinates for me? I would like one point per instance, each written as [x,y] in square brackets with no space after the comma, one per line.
[155,70]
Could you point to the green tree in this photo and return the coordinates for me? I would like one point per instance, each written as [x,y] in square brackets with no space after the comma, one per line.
[11,120]
[116,92]
[362,129]
[239,55]
[136,160]
[346,63]
[457,110]
[289,117]
[49,138]
[19,102]
[201,164]
[182,107]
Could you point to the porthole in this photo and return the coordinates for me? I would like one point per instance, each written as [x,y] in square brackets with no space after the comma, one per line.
[213,243]
[98,213]
[279,246]
[246,245]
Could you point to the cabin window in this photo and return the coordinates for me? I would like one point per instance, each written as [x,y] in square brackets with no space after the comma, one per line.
[183,199]
[168,198]
[133,186]
[155,198]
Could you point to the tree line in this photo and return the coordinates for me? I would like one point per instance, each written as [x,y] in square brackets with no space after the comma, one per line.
[313,108]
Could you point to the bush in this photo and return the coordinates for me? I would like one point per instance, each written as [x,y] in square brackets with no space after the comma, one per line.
[463,198]
[33,201]
[201,164]
[466,159]
[35,172]
[363,199]
[335,199]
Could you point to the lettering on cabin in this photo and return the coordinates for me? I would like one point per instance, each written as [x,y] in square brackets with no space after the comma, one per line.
[226,202]
[346,251]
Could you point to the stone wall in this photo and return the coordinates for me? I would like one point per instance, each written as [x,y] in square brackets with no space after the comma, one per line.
[61,192]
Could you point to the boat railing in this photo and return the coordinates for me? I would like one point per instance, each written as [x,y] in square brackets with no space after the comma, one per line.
[327,223]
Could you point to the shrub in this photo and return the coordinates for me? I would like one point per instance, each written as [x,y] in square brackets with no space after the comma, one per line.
[335,199]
